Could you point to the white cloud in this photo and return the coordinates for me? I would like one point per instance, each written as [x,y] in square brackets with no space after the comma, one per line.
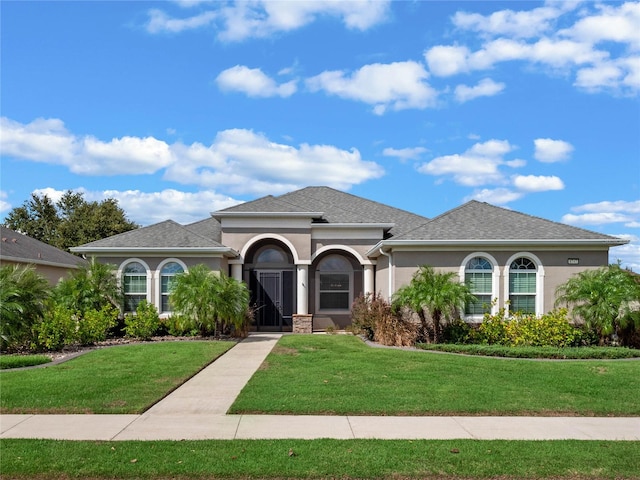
[607,206]
[595,218]
[479,165]
[605,212]
[548,150]
[498,196]
[521,24]
[533,183]
[404,153]
[445,61]
[239,159]
[4,205]
[398,86]
[253,82]
[485,88]
[237,21]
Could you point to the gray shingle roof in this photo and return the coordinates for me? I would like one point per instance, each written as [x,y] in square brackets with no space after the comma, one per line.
[209,228]
[481,221]
[21,248]
[337,207]
[167,234]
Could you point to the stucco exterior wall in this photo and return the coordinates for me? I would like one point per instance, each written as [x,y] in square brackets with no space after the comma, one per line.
[51,273]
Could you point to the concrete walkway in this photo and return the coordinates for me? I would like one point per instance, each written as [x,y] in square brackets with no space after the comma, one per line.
[197,411]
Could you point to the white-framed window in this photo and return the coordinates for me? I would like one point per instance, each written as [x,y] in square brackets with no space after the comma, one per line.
[478,274]
[523,279]
[334,277]
[134,285]
[167,278]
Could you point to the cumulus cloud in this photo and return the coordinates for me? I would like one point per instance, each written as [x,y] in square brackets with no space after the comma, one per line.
[548,150]
[534,183]
[479,165]
[485,88]
[497,196]
[404,153]
[4,205]
[395,86]
[522,24]
[241,160]
[237,21]
[626,212]
[253,82]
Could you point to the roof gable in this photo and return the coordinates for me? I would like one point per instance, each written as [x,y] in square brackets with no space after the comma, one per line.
[476,220]
[24,249]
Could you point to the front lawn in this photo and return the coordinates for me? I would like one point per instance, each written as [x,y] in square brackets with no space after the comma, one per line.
[340,375]
[122,379]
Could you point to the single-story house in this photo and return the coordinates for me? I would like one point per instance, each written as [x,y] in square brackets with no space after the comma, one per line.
[50,262]
[306,255]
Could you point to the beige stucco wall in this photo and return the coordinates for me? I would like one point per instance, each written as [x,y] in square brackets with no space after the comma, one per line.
[51,273]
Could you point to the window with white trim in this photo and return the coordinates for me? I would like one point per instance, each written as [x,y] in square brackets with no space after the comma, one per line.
[335,282]
[522,286]
[167,280]
[478,274]
[134,282]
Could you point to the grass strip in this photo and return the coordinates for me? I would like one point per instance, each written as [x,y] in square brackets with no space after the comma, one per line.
[18,361]
[339,374]
[315,459]
[574,353]
[121,379]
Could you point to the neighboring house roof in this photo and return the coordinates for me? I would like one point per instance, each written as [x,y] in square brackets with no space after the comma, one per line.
[19,248]
[164,236]
[209,228]
[335,207]
[481,223]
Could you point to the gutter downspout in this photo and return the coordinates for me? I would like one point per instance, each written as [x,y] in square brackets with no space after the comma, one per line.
[390,281]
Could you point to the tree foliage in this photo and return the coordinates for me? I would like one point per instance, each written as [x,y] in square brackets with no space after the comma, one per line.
[214,301]
[433,294]
[70,222]
[607,300]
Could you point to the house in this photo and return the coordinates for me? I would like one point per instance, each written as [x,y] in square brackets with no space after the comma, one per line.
[306,255]
[50,262]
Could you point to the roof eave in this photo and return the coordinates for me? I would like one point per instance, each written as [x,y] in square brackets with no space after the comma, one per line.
[268,214]
[226,251]
[42,262]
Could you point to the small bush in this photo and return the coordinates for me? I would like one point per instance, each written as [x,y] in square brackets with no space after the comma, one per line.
[180,326]
[372,316]
[493,329]
[395,330]
[458,331]
[144,324]
[57,329]
[574,353]
[95,324]
[365,311]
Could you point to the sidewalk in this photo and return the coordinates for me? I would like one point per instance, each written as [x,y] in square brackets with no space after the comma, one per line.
[197,411]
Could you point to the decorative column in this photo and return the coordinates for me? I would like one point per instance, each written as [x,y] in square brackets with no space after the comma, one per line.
[368,279]
[302,320]
[236,271]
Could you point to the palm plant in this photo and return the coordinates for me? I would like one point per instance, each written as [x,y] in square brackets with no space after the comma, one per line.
[212,300]
[23,297]
[606,299]
[432,293]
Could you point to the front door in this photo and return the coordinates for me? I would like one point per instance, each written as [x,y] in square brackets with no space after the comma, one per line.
[273,299]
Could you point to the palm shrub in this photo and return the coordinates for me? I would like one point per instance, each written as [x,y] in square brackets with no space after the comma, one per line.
[23,297]
[214,301]
[433,295]
[607,300]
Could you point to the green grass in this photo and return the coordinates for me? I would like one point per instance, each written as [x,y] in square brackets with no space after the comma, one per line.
[576,353]
[340,375]
[344,459]
[17,361]
[123,379]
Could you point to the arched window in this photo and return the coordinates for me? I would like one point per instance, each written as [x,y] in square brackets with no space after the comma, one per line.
[134,282]
[271,255]
[335,283]
[478,274]
[167,279]
[522,286]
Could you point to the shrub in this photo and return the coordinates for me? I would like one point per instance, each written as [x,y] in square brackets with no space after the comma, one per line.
[94,324]
[144,324]
[364,312]
[395,330]
[180,326]
[458,331]
[57,329]
[493,329]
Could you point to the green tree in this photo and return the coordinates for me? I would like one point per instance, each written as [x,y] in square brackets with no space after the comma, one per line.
[606,299]
[70,222]
[214,301]
[434,294]
[90,287]
[23,298]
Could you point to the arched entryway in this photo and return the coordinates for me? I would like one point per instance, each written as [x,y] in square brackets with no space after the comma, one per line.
[271,270]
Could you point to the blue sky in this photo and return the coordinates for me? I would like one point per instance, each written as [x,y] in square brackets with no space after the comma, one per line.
[178,109]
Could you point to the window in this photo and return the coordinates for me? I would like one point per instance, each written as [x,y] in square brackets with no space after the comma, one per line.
[135,285]
[478,274]
[271,255]
[334,283]
[522,286]
[167,279]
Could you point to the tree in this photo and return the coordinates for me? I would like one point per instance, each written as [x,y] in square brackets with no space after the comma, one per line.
[432,293]
[90,287]
[23,297]
[70,222]
[606,299]
[214,301]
